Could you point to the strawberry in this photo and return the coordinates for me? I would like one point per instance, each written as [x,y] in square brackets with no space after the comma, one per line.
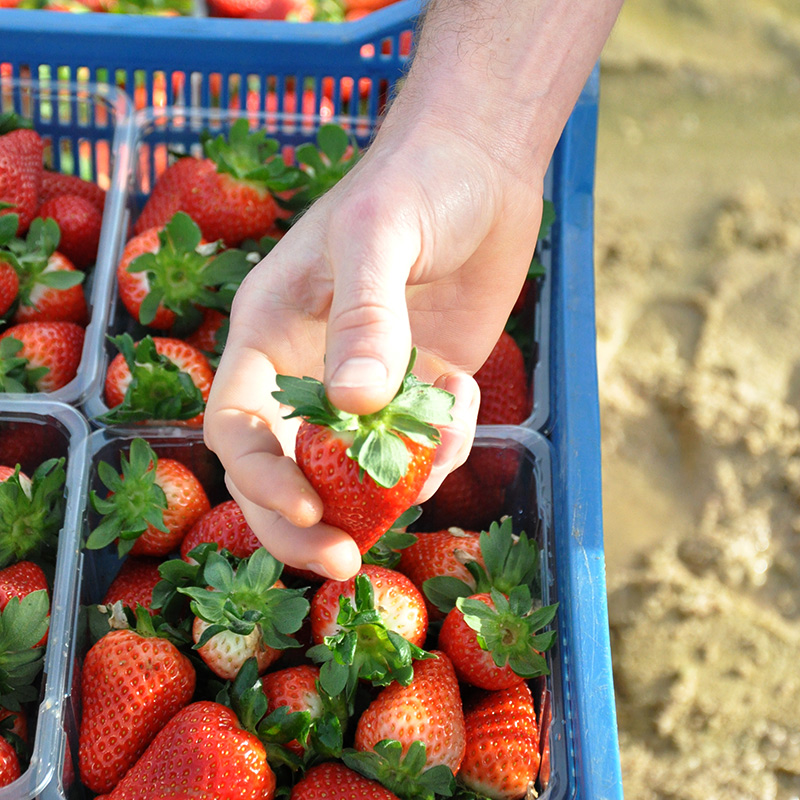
[370,626]
[19,580]
[9,763]
[29,443]
[367,469]
[55,184]
[440,554]
[9,284]
[165,274]
[49,283]
[31,512]
[24,623]
[428,710]
[225,525]
[165,199]
[157,379]
[21,152]
[492,640]
[39,356]
[501,760]
[298,10]
[334,781]
[295,689]
[202,752]
[15,722]
[134,583]
[243,613]
[228,192]
[211,334]
[150,506]
[80,222]
[131,686]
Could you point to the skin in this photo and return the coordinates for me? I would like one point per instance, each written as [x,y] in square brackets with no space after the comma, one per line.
[427,240]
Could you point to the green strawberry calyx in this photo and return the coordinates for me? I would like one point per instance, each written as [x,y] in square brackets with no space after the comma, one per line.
[251,156]
[509,630]
[377,444]
[159,389]
[23,624]
[386,552]
[244,598]
[364,647]
[405,775]
[185,273]
[134,500]
[32,513]
[510,560]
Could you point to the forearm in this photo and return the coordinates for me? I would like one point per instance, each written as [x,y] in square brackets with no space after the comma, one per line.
[506,71]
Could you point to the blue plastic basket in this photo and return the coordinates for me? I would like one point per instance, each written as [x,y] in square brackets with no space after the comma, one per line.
[214,56]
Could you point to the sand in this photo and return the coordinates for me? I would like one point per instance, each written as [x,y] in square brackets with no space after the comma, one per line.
[698,318]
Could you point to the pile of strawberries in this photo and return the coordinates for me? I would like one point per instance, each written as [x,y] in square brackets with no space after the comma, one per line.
[31,516]
[214,668]
[49,232]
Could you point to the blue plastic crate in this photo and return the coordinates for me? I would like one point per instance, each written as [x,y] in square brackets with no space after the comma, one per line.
[282,57]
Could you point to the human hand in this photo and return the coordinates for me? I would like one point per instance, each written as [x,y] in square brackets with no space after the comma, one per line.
[426,242]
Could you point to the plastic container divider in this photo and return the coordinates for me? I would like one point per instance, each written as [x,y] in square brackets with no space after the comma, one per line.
[68,435]
[87,132]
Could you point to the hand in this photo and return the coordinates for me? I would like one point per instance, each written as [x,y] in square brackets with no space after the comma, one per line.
[426,242]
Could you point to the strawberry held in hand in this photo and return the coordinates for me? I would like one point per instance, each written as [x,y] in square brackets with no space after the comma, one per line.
[367,469]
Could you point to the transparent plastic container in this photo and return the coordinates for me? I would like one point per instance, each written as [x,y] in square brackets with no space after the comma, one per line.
[87,130]
[527,498]
[60,431]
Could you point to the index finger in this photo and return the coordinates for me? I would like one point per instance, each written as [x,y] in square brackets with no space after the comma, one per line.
[244,428]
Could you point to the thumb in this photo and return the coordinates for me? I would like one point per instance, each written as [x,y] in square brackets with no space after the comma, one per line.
[368,335]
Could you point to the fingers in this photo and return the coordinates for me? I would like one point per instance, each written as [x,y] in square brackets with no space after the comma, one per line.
[368,335]
[457,437]
[321,548]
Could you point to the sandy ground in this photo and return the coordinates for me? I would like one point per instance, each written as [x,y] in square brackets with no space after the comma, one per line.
[698,314]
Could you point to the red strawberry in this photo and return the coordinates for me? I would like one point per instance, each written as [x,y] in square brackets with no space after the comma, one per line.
[9,763]
[9,286]
[428,710]
[18,721]
[492,640]
[31,511]
[53,295]
[437,554]
[165,199]
[297,10]
[296,689]
[49,283]
[131,686]
[243,613]
[502,755]
[504,385]
[202,752]
[134,583]
[80,222]
[40,356]
[334,781]
[166,274]
[21,170]
[29,443]
[150,507]
[19,580]
[55,184]
[209,336]
[363,494]
[224,524]
[157,379]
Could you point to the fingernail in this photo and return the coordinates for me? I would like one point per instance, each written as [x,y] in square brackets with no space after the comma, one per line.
[361,372]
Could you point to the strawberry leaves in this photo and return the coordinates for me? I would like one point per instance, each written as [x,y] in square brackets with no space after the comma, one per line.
[23,624]
[159,389]
[31,513]
[134,500]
